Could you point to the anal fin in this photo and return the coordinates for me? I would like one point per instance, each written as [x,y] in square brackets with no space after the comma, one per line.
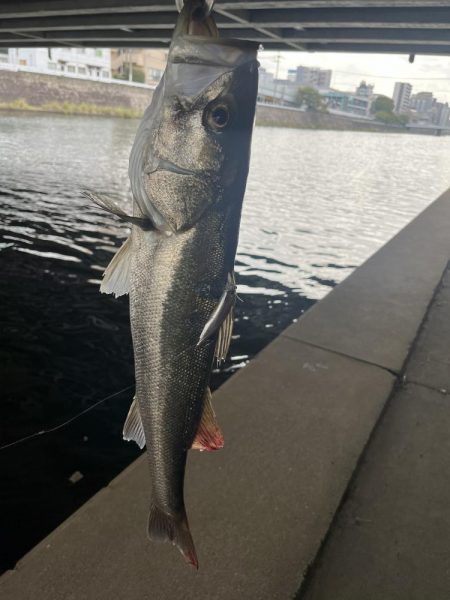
[209,436]
[133,430]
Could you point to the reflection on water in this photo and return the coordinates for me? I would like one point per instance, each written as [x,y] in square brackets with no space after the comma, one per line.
[317,205]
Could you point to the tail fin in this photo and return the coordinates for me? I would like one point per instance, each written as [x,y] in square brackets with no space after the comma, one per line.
[168,528]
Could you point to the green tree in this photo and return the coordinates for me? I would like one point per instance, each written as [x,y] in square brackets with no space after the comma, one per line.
[138,75]
[382,104]
[309,97]
[390,118]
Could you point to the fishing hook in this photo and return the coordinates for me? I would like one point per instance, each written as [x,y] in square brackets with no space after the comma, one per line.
[208,6]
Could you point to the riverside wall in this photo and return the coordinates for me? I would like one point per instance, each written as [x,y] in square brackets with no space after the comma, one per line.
[25,90]
[284,117]
[39,90]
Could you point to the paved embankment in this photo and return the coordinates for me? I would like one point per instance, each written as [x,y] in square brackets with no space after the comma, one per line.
[296,420]
[391,539]
[35,91]
[53,93]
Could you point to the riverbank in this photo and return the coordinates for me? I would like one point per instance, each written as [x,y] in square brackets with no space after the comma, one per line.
[36,92]
[347,412]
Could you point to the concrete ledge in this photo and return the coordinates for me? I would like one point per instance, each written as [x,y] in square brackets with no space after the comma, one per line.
[296,421]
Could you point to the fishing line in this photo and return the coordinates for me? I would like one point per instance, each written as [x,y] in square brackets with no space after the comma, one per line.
[65,423]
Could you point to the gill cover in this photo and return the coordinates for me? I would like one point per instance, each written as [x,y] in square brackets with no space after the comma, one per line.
[195,62]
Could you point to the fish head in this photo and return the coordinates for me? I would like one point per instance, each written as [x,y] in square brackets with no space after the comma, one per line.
[196,146]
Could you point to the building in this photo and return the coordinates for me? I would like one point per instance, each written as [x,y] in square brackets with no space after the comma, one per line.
[402,96]
[147,64]
[422,102]
[311,77]
[441,114]
[358,103]
[364,90]
[88,63]
[292,75]
[276,91]
[425,109]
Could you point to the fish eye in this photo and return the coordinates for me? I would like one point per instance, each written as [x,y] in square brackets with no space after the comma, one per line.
[218,117]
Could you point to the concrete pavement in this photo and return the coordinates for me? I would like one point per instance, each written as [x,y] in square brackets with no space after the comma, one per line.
[391,539]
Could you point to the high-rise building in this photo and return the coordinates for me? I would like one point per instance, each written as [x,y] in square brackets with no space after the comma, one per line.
[422,102]
[441,114]
[313,77]
[402,96]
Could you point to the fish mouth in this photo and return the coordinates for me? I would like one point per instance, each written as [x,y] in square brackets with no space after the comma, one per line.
[166,165]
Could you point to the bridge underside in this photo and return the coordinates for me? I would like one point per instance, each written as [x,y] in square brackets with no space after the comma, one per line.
[394,26]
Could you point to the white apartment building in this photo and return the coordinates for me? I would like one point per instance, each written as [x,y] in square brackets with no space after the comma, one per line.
[402,96]
[88,63]
[311,76]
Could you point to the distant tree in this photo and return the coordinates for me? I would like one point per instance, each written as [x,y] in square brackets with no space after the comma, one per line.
[138,75]
[309,97]
[390,118]
[382,104]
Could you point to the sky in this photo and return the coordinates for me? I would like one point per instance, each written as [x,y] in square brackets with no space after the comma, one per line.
[426,74]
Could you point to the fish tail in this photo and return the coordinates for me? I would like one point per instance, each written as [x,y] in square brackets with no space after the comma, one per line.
[172,528]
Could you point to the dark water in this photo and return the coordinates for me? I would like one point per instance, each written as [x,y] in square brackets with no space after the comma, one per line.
[317,205]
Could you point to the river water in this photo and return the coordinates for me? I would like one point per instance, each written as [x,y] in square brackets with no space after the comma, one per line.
[318,203]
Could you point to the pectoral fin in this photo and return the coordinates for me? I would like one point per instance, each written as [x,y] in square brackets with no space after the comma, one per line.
[221,320]
[109,205]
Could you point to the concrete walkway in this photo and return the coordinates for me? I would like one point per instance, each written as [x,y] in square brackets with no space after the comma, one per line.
[297,421]
[391,538]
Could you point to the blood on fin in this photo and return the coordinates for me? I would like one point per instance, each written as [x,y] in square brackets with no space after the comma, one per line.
[209,436]
[163,527]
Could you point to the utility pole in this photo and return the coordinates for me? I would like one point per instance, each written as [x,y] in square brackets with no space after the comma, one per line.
[277,72]
[130,65]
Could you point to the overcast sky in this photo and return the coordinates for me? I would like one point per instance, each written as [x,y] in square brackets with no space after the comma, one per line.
[427,73]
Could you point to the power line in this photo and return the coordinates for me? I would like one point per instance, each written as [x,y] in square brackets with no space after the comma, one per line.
[397,77]
[65,423]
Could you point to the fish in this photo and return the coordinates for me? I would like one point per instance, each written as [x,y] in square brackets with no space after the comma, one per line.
[188,170]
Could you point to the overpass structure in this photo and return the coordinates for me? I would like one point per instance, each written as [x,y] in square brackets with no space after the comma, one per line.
[391,26]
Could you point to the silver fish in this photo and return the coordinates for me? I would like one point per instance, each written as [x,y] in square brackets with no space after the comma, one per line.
[188,171]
